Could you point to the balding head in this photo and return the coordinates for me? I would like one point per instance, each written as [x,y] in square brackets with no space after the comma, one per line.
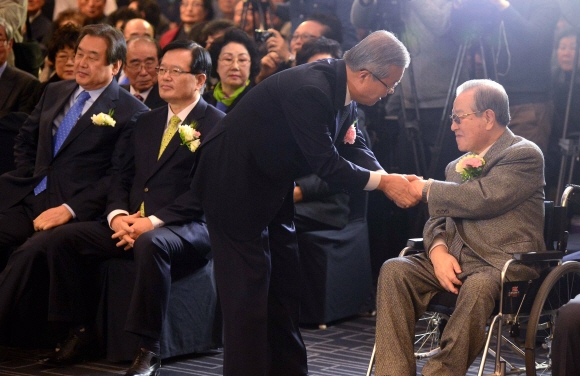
[138,27]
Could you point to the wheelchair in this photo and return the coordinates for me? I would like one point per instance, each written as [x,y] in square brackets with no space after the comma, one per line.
[523,320]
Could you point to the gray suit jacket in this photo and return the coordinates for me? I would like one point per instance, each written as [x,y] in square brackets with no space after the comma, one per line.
[497,214]
[17,86]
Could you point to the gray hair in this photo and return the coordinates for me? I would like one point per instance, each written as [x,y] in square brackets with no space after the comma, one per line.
[7,29]
[489,95]
[376,53]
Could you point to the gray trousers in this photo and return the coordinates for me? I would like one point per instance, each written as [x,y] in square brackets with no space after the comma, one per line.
[405,287]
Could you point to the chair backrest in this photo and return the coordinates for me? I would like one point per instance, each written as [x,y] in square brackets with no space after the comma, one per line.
[556,224]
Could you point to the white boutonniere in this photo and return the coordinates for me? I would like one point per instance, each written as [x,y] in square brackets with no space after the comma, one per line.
[190,137]
[104,120]
[350,135]
[470,166]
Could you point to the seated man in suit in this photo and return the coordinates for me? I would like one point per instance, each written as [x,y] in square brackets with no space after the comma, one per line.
[480,215]
[142,59]
[16,84]
[65,156]
[150,213]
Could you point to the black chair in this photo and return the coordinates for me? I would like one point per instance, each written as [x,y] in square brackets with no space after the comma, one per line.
[336,268]
[190,325]
[525,307]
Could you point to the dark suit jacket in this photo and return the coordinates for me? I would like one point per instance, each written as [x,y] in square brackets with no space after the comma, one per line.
[161,183]
[284,128]
[497,214]
[79,174]
[17,86]
[153,100]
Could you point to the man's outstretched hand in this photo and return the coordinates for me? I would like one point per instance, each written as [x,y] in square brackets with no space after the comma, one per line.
[397,188]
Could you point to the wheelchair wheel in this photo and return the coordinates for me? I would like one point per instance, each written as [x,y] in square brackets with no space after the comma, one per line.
[560,285]
[428,334]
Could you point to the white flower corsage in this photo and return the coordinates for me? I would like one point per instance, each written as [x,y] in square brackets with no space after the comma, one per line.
[104,120]
[189,136]
[350,135]
[470,166]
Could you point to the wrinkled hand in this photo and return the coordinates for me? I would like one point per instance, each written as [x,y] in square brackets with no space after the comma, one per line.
[121,229]
[276,43]
[446,269]
[268,66]
[396,188]
[52,217]
[416,188]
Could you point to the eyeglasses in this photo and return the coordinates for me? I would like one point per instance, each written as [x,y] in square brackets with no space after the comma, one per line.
[138,65]
[64,58]
[457,118]
[390,89]
[304,37]
[175,72]
[228,60]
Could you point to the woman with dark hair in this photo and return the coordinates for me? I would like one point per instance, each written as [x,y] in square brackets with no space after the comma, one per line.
[235,63]
[193,14]
[61,56]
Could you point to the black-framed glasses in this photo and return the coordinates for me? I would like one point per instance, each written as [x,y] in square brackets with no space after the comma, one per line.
[175,72]
[457,118]
[390,89]
[138,65]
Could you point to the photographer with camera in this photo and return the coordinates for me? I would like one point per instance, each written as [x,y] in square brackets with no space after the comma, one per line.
[521,46]
[280,56]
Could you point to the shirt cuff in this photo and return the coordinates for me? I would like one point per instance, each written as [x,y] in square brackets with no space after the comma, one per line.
[437,242]
[72,212]
[425,191]
[113,214]
[374,180]
[156,221]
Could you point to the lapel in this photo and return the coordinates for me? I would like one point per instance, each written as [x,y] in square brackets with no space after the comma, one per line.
[104,103]
[153,142]
[344,122]
[339,99]
[505,140]
[6,83]
[197,114]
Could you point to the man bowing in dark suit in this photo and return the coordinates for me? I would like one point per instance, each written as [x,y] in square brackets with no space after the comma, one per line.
[294,123]
[66,152]
[149,212]
[142,59]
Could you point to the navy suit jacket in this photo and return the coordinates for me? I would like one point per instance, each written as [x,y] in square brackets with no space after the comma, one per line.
[284,128]
[17,86]
[153,100]
[160,184]
[80,173]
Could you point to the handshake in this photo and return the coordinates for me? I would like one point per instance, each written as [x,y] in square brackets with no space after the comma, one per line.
[404,190]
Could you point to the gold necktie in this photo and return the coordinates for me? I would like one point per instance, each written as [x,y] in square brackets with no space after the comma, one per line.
[169,133]
[167,136]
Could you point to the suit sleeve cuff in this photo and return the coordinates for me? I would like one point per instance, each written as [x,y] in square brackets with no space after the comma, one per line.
[72,212]
[374,180]
[156,221]
[115,213]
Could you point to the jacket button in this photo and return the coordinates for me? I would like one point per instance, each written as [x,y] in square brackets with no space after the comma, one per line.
[146,189]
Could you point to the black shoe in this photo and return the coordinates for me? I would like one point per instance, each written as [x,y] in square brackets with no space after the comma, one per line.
[76,348]
[147,363]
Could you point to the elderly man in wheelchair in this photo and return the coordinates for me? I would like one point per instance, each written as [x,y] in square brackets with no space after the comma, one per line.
[490,206]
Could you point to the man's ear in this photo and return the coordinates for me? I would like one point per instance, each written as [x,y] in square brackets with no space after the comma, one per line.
[489,117]
[200,80]
[117,67]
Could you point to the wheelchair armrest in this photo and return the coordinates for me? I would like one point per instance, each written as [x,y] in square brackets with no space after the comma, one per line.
[416,243]
[538,256]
